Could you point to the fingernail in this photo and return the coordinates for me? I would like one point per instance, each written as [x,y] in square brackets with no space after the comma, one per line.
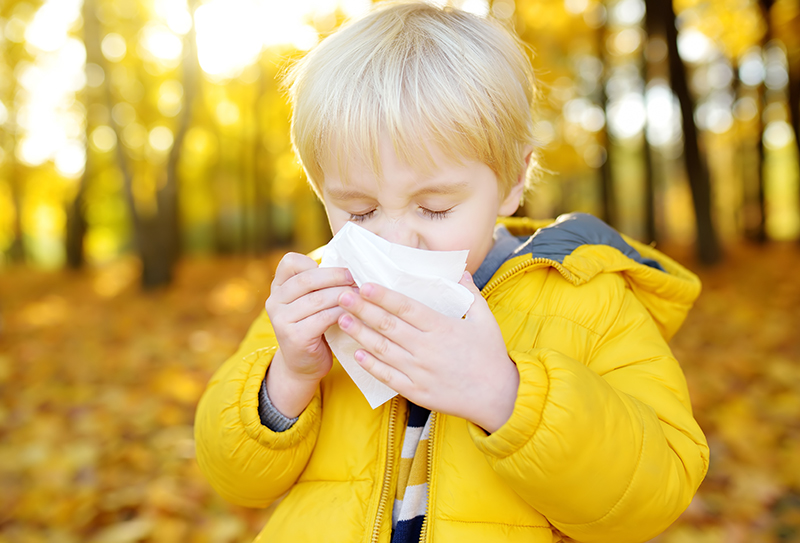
[359,356]
[367,289]
[348,276]
[345,321]
[346,299]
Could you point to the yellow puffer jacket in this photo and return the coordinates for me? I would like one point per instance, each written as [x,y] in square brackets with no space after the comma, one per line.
[601,446]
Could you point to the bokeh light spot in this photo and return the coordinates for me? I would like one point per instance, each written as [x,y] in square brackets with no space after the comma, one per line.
[113,47]
[576,7]
[777,135]
[104,138]
[170,94]
[160,139]
[694,46]
[159,43]
[503,9]
[627,116]
[70,159]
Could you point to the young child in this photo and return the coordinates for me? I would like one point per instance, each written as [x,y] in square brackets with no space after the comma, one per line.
[554,411]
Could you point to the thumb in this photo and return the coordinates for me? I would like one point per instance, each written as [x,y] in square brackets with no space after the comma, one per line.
[479,305]
[466,280]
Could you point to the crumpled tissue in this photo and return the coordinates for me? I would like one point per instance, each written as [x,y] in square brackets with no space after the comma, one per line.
[430,277]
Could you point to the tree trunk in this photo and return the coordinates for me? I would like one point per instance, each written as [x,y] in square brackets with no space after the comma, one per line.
[76,224]
[757,229]
[650,231]
[708,249]
[156,237]
[76,219]
[793,62]
[609,200]
[161,232]
[261,175]
[91,31]
[16,253]
[647,74]
[794,100]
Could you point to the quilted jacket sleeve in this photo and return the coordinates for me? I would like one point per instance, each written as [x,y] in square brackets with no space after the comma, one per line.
[606,448]
[247,463]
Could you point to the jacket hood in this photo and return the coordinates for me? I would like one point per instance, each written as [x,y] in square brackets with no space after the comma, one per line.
[581,247]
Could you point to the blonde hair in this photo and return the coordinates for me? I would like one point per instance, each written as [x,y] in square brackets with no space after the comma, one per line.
[422,75]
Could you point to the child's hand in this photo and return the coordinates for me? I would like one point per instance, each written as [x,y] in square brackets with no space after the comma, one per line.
[302,304]
[454,366]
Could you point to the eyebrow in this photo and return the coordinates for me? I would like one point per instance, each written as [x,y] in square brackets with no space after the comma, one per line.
[350,194]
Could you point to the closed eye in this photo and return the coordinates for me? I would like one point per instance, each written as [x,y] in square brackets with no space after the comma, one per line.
[355,217]
[436,214]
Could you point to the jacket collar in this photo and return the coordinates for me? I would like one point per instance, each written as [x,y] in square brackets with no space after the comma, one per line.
[581,247]
[554,242]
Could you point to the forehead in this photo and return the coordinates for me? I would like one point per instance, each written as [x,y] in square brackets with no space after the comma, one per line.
[385,159]
[404,181]
[357,191]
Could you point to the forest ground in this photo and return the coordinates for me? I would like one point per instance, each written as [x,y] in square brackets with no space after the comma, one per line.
[99,383]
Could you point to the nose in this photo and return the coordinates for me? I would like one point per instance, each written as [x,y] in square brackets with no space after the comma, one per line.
[399,231]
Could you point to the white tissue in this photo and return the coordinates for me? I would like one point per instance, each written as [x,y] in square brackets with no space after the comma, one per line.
[430,277]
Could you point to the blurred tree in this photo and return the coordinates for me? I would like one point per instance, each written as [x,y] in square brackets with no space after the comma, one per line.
[156,228]
[650,230]
[76,219]
[607,187]
[16,252]
[661,15]
[757,228]
[789,22]
[166,221]
[13,52]
[76,225]
[223,177]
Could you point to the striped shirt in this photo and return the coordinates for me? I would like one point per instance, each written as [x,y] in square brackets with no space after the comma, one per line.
[411,499]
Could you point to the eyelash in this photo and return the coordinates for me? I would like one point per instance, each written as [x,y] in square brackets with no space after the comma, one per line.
[436,214]
[361,218]
[427,212]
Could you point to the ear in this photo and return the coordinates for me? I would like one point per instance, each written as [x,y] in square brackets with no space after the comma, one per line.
[513,199]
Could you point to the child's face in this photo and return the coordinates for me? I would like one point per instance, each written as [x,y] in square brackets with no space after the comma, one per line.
[453,207]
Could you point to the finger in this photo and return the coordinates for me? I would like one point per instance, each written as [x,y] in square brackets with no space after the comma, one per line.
[479,307]
[294,264]
[315,325]
[312,280]
[411,311]
[386,374]
[377,318]
[314,302]
[290,265]
[376,344]
[466,280]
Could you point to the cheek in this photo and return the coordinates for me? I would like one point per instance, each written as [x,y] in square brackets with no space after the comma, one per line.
[474,261]
[473,235]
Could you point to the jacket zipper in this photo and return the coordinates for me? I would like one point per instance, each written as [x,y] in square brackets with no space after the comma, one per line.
[526,264]
[423,534]
[387,472]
